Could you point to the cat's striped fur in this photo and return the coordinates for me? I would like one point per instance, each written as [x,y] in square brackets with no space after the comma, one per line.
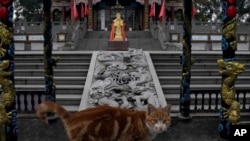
[105,123]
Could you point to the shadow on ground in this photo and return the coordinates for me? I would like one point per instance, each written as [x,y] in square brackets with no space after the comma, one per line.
[197,129]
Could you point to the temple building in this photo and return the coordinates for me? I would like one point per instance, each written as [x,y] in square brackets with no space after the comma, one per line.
[100,13]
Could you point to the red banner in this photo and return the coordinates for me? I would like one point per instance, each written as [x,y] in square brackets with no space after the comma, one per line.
[86,9]
[152,10]
[82,11]
[162,12]
[74,12]
[193,10]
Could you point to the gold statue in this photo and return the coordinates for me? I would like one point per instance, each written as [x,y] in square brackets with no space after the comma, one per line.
[231,70]
[117,30]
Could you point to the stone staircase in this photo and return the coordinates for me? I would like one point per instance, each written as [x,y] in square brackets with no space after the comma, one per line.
[204,74]
[71,73]
[98,40]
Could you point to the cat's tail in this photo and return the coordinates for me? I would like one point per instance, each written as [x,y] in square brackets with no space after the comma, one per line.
[51,107]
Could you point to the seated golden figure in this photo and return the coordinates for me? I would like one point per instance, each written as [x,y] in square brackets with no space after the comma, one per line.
[117,30]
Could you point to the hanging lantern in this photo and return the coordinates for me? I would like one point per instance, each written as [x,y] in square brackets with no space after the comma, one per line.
[3,13]
[5,2]
[231,11]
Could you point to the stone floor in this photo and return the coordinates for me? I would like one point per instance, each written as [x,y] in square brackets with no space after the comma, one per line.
[197,129]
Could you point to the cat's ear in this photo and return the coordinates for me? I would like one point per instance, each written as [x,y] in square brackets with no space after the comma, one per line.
[168,108]
[151,108]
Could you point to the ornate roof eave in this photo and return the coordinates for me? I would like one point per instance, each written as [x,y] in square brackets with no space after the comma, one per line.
[118,6]
[62,0]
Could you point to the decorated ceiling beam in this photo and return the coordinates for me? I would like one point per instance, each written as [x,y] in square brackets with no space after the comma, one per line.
[8,113]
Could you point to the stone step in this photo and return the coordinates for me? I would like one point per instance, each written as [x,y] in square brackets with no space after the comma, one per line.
[62,60]
[62,54]
[168,65]
[165,80]
[173,89]
[102,44]
[41,87]
[57,72]
[72,65]
[106,34]
[68,96]
[60,80]
[177,60]
[194,72]
[199,57]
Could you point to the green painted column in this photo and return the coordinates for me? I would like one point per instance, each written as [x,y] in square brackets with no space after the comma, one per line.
[186,60]
[8,113]
[229,113]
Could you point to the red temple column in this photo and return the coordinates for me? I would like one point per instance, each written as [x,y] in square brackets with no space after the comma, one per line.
[63,14]
[90,16]
[146,16]
[72,17]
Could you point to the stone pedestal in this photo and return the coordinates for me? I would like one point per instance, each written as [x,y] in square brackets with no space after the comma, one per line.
[118,45]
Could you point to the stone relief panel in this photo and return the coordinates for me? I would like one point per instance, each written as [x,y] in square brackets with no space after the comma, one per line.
[122,79]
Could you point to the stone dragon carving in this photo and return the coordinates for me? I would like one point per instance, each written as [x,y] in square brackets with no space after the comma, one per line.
[230,70]
[122,79]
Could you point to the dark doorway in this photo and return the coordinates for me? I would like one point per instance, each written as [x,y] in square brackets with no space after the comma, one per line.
[131,14]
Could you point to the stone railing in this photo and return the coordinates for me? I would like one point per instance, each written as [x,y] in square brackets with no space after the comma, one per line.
[206,36]
[203,101]
[29,36]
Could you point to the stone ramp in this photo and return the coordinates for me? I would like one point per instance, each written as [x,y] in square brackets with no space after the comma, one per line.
[90,80]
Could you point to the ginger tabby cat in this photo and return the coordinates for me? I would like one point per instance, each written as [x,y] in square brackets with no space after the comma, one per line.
[105,123]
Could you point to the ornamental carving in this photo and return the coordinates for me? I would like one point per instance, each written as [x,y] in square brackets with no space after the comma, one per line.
[122,79]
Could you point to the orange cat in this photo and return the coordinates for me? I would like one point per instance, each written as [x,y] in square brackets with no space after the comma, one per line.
[105,123]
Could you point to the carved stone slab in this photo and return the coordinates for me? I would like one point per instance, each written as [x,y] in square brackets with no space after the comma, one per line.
[125,79]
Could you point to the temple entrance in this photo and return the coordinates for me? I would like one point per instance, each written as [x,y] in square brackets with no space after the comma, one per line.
[132,13]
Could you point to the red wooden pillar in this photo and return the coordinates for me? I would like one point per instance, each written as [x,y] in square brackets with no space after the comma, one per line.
[145,15]
[72,20]
[90,16]
[52,16]
[172,14]
[63,18]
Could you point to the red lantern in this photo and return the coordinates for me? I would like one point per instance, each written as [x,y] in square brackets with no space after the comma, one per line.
[230,1]
[231,11]
[3,13]
[5,2]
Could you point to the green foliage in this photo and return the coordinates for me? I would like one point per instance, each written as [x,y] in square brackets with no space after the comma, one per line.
[243,10]
[207,10]
[31,10]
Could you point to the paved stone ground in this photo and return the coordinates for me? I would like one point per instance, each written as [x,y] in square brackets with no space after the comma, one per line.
[197,129]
